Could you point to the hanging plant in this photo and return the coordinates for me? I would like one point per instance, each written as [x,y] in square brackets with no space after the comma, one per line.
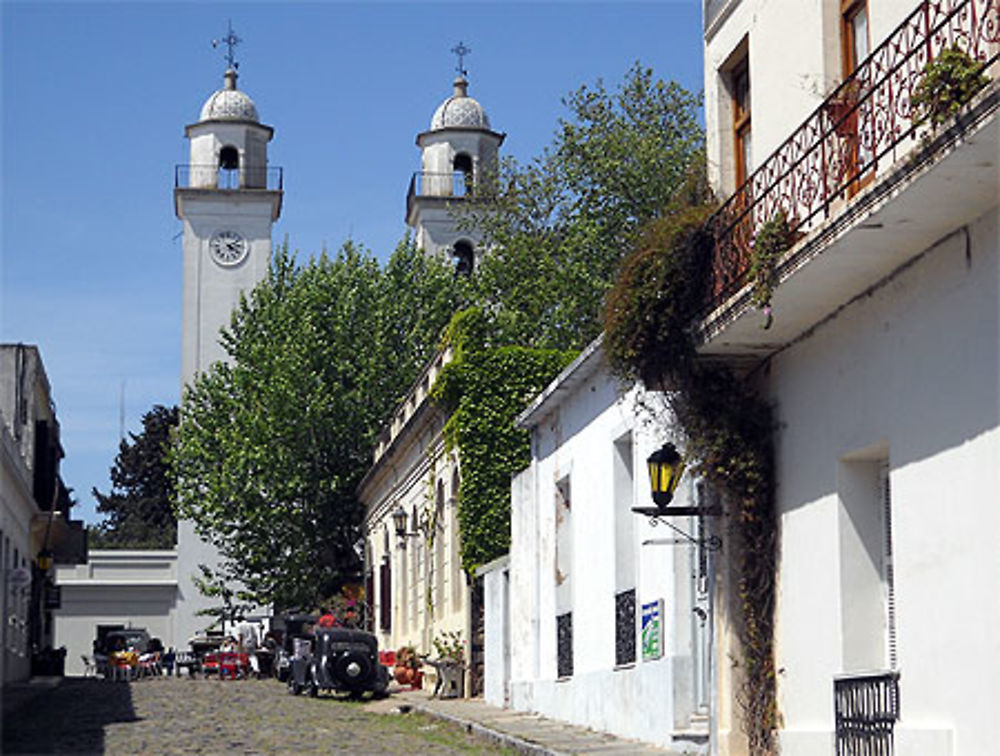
[771,241]
[727,426]
[948,82]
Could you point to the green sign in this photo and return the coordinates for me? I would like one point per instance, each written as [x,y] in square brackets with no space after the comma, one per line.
[652,630]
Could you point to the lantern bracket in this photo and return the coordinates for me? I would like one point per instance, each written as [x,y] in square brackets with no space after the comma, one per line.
[657,515]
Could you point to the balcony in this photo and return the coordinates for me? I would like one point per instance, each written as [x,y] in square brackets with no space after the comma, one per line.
[863,189]
[442,186]
[214,177]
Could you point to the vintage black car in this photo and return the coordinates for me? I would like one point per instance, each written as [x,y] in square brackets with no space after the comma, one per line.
[342,660]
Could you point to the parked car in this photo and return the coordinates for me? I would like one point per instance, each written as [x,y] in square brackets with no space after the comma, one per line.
[126,639]
[341,660]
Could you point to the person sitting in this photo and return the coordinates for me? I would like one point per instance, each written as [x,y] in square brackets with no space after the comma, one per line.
[326,619]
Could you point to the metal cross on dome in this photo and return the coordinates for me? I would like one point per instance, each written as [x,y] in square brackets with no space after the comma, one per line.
[461,51]
[230,41]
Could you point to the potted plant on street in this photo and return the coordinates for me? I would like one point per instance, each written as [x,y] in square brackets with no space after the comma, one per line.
[450,665]
[407,671]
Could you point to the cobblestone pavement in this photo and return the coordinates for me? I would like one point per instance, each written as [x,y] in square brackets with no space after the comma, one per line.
[186,716]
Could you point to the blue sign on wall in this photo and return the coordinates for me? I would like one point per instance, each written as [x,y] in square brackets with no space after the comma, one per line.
[652,630]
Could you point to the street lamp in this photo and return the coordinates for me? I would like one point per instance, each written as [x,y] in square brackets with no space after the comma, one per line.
[399,520]
[665,469]
[44,559]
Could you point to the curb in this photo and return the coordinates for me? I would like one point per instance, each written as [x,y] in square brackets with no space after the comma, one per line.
[487,733]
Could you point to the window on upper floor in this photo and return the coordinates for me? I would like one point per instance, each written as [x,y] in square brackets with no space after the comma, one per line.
[854,34]
[740,87]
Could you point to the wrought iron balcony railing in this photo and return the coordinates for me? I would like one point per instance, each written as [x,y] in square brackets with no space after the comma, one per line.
[866,708]
[863,127]
[214,177]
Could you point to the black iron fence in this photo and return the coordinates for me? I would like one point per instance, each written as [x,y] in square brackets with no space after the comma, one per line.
[866,708]
[213,177]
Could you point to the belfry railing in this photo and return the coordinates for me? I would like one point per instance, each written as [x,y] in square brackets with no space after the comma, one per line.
[863,127]
[188,176]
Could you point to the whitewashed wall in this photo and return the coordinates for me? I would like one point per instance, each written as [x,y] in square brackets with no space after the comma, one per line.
[908,372]
[132,588]
[574,435]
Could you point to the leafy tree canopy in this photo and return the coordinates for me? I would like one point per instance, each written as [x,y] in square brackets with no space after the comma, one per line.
[138,509]
[558,226]
[273,443]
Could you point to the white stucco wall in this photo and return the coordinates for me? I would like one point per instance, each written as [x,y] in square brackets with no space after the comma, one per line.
[17,506]
[428,594]
[123,587]
[910,372]
[575,437]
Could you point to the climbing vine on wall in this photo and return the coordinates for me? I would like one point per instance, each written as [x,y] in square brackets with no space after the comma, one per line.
[484,388]
[727,425]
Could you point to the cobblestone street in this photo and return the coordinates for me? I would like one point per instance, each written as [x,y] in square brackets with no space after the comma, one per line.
[184,716]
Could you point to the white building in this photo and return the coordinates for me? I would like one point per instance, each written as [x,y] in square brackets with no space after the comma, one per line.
[227,198]
[116,588]
[882,360]
[569,611]
[418,590]
[34,511]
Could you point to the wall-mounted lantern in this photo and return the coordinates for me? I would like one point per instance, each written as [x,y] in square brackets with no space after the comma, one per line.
[399,522]
[665,469]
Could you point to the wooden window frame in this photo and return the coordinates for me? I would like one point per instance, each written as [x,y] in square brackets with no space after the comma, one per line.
[741,117]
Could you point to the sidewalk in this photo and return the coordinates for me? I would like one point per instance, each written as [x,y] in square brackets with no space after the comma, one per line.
[527,733]
[17,694]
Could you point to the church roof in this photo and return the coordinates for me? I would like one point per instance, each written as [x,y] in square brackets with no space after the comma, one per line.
[229,103]
[460,111]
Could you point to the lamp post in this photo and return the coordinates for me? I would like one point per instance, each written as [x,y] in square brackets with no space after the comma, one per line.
[44,559]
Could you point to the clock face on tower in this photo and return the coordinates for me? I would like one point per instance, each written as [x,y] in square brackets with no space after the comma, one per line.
[228,248]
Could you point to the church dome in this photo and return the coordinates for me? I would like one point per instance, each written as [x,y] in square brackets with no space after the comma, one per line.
[229,103]
[460,111]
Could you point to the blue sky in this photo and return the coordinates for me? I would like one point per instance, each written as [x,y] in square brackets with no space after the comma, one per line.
[95,98]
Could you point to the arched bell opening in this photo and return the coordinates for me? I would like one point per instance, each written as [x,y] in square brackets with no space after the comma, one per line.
[229,167]
[465,257]
[462,166]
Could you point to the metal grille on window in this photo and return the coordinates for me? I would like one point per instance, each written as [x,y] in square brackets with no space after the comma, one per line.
[866,707]
[625,627]
[564,644]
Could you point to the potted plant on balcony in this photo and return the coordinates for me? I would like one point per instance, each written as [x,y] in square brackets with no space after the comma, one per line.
[948,82]
[842,106]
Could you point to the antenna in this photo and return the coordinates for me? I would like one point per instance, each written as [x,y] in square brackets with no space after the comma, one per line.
[461,51]
[121,413]
[230,41]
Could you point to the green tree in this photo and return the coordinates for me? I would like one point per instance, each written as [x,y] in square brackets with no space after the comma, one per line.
[273,443]
[557,227]
[138,509]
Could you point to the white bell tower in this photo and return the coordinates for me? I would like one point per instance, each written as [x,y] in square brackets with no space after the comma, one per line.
[227,198]
[459,150]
